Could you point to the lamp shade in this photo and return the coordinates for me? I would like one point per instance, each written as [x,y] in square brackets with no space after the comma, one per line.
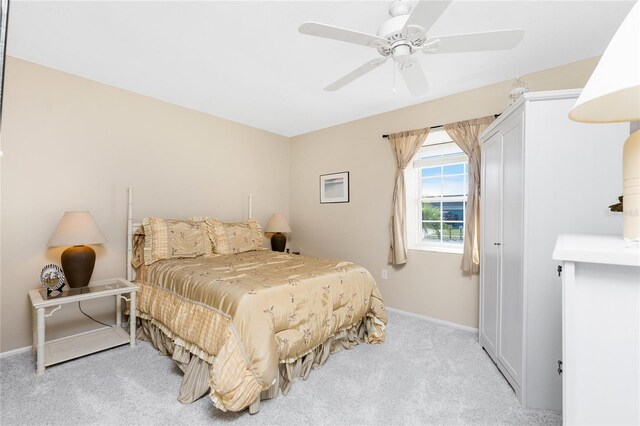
[76,228]
[612,94]
[277,223]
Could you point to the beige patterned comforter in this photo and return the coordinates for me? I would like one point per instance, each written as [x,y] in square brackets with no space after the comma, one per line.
[246,313]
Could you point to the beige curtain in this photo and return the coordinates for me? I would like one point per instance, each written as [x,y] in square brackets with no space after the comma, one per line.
[404,146]
[465,135]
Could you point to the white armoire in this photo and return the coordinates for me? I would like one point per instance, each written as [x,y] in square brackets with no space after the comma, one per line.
[542,175]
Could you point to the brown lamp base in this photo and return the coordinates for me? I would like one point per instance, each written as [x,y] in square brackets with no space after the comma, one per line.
[77,264]
[278,241]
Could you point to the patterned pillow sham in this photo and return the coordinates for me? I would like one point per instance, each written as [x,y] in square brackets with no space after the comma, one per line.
[171,239]
[235,237]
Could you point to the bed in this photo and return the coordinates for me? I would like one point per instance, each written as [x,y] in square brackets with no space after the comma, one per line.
[242,322]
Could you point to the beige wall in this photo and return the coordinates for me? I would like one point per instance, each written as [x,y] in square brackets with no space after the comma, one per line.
[73,144]
[430,284]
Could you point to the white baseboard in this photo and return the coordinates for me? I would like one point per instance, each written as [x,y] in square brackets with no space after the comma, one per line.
[15,352]
[436,320]
[28,348]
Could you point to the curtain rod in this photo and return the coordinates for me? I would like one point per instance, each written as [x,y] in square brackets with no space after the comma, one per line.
[442,125]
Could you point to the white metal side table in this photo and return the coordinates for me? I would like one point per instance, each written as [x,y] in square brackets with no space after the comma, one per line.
[78,345]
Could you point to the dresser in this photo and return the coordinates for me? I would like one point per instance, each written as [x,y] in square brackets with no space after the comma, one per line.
[542,175]
[600,328]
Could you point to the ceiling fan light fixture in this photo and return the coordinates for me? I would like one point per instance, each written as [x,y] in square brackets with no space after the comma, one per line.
[402,53]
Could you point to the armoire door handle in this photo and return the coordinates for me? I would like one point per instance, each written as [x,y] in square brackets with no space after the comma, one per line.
[497,244]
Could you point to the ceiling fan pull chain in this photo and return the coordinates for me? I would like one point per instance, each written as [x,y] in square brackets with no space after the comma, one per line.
[394,78]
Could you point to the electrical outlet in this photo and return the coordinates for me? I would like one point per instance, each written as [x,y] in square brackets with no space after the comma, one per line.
[384,274]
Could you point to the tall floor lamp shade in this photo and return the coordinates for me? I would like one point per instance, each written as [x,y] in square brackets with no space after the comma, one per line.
[612,94]
[278,224]
[76,229]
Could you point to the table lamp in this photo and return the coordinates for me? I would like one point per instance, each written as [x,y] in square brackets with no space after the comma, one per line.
[76,229]
[612,94]
[278,224]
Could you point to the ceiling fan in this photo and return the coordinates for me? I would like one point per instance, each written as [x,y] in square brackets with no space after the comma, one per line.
[405,34]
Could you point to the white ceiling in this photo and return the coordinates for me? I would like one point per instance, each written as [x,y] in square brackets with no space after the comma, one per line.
[245,60]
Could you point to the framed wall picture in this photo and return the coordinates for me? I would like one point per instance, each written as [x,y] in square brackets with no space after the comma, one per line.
[334,188]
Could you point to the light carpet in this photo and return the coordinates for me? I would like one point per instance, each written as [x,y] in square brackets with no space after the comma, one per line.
[425,373]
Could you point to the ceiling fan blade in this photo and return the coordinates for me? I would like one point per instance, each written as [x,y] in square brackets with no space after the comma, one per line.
[414,78]
[341,34]
[358,72]
[426,12]
[474,42]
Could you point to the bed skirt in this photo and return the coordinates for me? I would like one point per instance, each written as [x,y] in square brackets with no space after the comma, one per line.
[196,365]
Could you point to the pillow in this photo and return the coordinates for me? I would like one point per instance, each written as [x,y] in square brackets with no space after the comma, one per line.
[171,239]
[235,237]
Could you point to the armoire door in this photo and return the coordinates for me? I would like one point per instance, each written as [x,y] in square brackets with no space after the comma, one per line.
[491,219]
[510,330]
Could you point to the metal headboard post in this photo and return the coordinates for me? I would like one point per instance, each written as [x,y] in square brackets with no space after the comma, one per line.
[130,235]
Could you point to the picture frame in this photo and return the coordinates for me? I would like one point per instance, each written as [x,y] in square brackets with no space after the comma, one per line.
[52,277]
[334,188]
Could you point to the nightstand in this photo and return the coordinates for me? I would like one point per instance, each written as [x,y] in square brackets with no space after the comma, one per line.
[78,345]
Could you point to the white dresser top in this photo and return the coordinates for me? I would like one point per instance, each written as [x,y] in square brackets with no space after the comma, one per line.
[607,249]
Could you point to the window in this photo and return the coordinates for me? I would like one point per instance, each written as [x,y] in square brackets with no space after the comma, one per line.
[437,185]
